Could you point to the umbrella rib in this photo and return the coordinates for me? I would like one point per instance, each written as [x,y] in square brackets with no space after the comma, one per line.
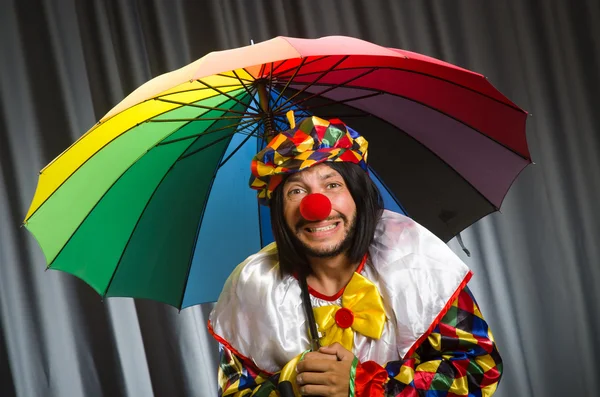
[190,90]
[346,115]
[298,110]
[283,63]
[434,154]
[236,125]
[260,73]
[388,190]
[314,81]
[446,163]
[303,109]
[434,109]
[247,89]
[279,118]
[227,95]
[281,73]
[97,151]
[278,66]
[426,75]
[146,100]
[282,119]
[250,135]
[94,207]
[344,83]
[287,84]
[231,77]
[206,146]
[270,88]
[339,102]
[198,106]
[204,205]
[97,202]
[245,116]
[140,217]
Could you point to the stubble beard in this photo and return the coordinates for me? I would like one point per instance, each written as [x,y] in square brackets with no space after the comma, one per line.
[331,251]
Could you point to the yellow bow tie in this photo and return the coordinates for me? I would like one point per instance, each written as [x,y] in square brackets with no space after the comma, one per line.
[362,311]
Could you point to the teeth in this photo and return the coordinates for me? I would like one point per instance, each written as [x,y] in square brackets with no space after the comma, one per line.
[322,229]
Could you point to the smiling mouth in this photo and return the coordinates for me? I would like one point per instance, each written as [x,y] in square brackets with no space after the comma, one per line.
[322,229]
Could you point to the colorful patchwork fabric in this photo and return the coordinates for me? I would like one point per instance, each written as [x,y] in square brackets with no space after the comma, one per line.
[311,142]
[237,379]
[458,358]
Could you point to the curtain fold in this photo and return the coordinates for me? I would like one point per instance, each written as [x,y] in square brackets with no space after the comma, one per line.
[65,63]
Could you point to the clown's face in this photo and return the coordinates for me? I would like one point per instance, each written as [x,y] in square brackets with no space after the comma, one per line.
[332,236]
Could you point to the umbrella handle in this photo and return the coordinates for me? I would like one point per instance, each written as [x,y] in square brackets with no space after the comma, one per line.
[285,387]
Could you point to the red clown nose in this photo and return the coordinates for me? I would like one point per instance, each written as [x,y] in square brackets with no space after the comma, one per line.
[315,207]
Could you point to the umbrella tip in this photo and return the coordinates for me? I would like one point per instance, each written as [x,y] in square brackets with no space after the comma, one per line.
[251,42]
[462,245]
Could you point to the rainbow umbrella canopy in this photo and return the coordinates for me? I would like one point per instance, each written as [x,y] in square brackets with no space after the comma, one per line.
[153,201]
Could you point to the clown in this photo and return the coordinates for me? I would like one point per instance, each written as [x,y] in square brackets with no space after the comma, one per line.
[384,298]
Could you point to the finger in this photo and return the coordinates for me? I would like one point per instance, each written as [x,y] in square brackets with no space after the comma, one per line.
[314,390]
[315,366]
[334,348]
[313,378]
[319,356]
[340,351]
[328,350]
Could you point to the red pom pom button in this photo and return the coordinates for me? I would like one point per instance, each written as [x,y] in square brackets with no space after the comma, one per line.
[344,318]
[315,207]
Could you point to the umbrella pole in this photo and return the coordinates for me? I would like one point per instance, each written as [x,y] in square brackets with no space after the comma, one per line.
[266,114]
[285,387]
[313,333]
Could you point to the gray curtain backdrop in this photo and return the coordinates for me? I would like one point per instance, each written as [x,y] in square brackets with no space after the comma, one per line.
[64,63]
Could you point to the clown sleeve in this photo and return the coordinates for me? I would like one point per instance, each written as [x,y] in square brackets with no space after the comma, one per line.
[458,358]
[237,379]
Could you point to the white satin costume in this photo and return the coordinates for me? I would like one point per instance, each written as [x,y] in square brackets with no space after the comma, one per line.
[260,316]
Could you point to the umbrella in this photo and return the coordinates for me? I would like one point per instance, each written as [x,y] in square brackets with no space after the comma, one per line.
[153,201]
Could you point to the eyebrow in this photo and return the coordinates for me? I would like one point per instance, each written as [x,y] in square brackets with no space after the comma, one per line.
[330,175]
[297,176]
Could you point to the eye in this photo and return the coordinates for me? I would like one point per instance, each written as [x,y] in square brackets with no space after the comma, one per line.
[295,191]
[333,185]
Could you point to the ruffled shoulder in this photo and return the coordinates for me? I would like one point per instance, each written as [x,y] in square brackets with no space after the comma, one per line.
[254,296]
[417,274]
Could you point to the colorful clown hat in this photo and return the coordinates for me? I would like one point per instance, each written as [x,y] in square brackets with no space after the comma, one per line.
[311,142]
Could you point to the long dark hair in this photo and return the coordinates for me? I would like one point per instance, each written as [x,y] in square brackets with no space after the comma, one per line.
[369,206]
